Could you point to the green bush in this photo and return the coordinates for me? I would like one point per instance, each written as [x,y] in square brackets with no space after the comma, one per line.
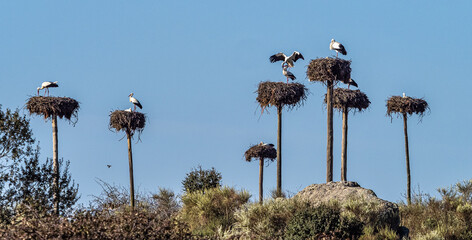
[323,220]
[209,212]
[201,180]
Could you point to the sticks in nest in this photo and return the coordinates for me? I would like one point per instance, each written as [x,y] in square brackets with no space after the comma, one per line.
[408,105]
[260,151]
[329,69]
[281,94]
[127,121]
[63,107]
[352,99]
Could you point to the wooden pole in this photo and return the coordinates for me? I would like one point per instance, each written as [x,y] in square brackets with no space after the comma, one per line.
[131,178]
[344,146]
[55,160]
[329,147]
[279,151]
[261,179]
[408,176]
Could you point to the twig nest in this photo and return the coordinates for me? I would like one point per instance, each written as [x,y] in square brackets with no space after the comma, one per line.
[127,121]
[352,99]
[408,105]
[281,94]
[259,151]
[329,69]
[63,107]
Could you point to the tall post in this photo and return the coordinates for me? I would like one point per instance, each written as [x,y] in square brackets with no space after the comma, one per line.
[408,177]
[344,146]
[55,159]
[329,147]
[279,151]
[261,179]
[131,178]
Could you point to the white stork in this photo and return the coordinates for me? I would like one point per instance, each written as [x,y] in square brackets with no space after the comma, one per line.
[135,102]
[350,82]
[288,74]
[47,85]
[404,95]
[266,144]
[286,60]
[338,47]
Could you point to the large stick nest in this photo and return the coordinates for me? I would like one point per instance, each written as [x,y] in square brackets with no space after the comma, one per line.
[408,105]
[259,151]
[63,107]
[281,94]
[329,69]
[352,99]
[127,121]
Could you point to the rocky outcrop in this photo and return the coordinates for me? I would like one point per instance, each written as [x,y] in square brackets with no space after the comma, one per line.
[353,198]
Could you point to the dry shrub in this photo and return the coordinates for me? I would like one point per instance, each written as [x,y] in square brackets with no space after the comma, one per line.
[63,107]
[408,105]
[258,151]
[98,224]
[329,69]
[352,99]
[127,121]
[281,94]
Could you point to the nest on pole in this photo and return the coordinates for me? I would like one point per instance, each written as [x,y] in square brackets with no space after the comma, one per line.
[281,94]
[129,122]
[406,105]
[350,99]
[329,69]
[63,107]
[259,151]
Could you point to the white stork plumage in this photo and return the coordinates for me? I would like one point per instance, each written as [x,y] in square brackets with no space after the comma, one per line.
[288,74]
[286,60]
[135,102]
[404,95]
[350,82]
[46,86]
[128,110]
[266,144]
[338,47]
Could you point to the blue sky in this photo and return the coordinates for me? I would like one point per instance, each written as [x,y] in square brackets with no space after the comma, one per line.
[195,66]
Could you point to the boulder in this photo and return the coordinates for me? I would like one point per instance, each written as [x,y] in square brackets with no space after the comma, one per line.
[352,197]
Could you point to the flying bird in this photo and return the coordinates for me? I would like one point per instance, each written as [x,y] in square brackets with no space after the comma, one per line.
[286,60]
[108,165]
[288,74]
[46,86]
[266,144]
[338,47]
[135,102]
[351,82]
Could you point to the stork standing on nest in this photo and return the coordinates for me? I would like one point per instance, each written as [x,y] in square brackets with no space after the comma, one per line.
[338,47]
[288,74]
[350,82]
[46,86]
[404,95]
[135,102]
[286,60]
[266,144]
